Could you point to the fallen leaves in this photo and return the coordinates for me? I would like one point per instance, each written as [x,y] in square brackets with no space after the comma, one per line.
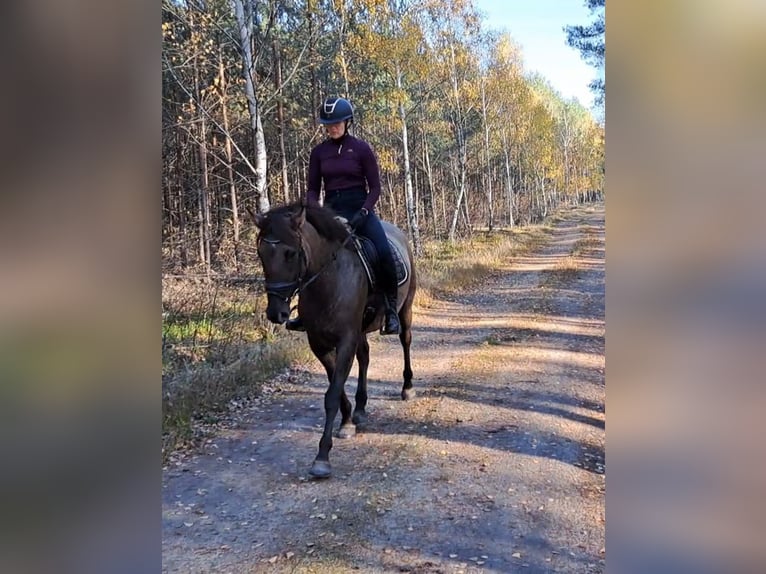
[286,555]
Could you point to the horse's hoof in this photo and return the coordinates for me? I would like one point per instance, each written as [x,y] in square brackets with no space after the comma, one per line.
[347,431]
[359,418]
[408,394]
[320,469]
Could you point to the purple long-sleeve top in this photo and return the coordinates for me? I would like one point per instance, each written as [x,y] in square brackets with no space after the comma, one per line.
[341,164]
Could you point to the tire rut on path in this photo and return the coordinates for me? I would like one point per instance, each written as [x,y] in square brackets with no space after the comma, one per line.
[497,465]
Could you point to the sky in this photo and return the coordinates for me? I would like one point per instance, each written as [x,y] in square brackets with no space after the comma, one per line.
[537,26]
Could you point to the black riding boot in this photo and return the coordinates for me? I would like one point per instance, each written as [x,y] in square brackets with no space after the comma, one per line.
[391,321]
[389,286]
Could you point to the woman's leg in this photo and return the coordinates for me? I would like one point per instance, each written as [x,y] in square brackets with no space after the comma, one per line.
[372,228]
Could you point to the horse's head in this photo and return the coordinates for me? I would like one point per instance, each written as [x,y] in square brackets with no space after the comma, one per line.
[280,249]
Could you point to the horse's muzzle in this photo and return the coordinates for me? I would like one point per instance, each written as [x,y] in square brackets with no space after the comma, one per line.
[277,311]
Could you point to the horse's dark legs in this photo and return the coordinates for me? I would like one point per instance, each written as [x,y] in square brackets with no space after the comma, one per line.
[347,429]
[344,358]
[405,337]
[328,361]
[363,358]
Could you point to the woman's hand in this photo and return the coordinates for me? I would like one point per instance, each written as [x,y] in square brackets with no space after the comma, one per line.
[358,218]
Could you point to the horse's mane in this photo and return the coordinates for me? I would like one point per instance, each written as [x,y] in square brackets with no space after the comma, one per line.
[322,218]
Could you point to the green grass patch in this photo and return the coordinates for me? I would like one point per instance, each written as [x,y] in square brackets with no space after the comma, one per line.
[179,331]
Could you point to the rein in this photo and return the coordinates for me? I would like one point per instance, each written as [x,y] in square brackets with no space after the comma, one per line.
[286,290]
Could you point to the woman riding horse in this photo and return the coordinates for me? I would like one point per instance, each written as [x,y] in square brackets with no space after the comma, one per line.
[306,251]
[349,169]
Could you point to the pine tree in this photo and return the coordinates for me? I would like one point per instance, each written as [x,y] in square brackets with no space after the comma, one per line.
[591,41]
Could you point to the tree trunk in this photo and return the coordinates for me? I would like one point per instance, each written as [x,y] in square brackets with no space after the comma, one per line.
[204,199]
[462,160]
[281,121]
[203,191]
[488,171]
[508,179]
[183,247]
[315,98]
[244,15]
[412,217]
[229,157]
[430,191]
[341,52]
[461,146]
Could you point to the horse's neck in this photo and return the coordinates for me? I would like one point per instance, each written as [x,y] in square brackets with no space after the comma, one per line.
[320,250]
[337,274]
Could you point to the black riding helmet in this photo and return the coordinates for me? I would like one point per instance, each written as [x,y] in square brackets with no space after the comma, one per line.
[335,110]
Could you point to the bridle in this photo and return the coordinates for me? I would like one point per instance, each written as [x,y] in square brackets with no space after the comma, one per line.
[286,290]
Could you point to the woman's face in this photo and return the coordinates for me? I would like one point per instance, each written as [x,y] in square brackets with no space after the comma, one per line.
[335,130]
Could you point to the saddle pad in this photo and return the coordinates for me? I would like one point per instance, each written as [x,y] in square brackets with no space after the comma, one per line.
[369,257]
[402,273]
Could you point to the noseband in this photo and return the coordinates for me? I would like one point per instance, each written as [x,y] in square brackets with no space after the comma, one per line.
[286,290]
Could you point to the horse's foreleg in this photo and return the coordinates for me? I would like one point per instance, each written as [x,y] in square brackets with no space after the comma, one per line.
[405,337]
[332,400]
[363,359]
[327,358]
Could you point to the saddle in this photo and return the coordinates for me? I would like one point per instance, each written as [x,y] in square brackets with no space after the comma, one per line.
[368,255]
[365,248]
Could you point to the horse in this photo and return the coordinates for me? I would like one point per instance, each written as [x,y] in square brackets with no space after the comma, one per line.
[306,251]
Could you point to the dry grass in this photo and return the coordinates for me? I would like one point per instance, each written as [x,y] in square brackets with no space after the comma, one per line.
[566,269]
[207,322]
[585,244]
[447,268]
[203,390]
[217,348]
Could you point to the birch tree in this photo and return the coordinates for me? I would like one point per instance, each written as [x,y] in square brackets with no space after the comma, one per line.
[243,11]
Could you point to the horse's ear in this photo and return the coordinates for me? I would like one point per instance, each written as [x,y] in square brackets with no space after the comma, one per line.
[298,218]
[258,218]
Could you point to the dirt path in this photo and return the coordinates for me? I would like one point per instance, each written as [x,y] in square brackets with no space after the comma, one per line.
[498,465]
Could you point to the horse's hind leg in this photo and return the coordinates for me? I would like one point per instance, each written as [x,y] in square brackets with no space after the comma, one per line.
[363,358]
[405,337]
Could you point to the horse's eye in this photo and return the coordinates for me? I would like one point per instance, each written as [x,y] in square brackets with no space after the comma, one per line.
[290,254]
